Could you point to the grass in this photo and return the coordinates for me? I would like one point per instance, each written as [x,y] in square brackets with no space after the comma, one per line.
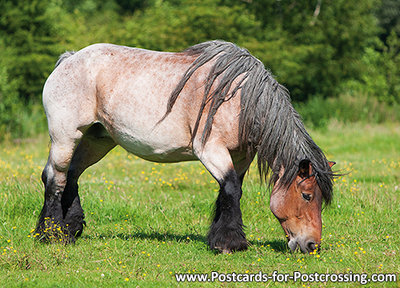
[148,221]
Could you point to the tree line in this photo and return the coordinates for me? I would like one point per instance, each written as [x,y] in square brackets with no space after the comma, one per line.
[316,48]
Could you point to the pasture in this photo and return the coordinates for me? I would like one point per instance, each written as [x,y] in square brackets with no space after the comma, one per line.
[148,221]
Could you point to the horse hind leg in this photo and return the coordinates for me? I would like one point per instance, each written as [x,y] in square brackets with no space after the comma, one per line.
[51,226]
[95,144]
[62,216]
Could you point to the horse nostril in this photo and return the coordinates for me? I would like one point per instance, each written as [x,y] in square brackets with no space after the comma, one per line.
[311,246]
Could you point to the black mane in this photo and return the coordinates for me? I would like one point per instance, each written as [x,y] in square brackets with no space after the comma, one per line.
[268,122]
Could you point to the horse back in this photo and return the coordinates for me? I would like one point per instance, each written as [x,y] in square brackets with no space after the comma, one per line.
[127,91]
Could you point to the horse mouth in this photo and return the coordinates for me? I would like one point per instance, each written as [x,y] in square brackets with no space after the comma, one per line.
[305,246]
[294,243]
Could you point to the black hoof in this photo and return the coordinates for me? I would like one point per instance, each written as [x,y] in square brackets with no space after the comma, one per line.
[51,231]
[74,225]
[227,240]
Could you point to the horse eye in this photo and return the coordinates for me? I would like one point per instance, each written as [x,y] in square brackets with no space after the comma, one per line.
[306,196]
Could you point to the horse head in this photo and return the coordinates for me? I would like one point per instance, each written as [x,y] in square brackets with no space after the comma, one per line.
[298,208]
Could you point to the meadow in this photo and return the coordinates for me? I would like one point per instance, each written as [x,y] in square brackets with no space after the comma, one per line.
[148,221]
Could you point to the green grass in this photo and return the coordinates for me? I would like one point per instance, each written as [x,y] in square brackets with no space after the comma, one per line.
[146,221]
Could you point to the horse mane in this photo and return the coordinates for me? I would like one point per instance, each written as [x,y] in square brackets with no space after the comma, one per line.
[268,123]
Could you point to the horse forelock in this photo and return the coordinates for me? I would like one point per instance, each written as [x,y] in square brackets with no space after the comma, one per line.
[268,123]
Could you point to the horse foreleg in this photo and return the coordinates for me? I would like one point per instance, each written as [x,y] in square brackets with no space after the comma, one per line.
[226,232]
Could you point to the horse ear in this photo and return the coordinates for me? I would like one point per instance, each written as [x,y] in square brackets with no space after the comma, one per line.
[305,168]
[331,163]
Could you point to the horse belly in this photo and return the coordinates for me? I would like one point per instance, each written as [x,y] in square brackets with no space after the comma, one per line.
[153,147]
[135,127]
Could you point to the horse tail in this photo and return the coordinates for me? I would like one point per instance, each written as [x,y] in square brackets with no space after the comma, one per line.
[64,56]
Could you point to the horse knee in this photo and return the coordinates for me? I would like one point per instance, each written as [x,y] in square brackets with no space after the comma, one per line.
[230,193]
[231,185]
[47,174]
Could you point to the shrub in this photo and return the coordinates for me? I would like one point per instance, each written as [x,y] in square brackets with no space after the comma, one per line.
[347,108]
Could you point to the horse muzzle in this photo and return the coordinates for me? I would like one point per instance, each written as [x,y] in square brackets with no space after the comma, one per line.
[306,245]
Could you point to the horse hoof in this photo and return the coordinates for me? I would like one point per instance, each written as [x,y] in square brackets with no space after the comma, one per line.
[227,241]
[232,247]
[50,231]
[223,250]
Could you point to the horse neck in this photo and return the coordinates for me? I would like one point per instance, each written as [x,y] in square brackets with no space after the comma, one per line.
[277,134]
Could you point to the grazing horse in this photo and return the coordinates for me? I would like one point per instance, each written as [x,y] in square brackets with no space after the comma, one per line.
[213,102]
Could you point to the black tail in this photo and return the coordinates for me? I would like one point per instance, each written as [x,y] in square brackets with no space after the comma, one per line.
[64,56]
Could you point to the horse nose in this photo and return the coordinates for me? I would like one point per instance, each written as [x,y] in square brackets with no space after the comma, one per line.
[311,246]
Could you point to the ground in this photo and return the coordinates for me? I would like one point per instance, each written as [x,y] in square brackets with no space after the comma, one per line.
[148,221]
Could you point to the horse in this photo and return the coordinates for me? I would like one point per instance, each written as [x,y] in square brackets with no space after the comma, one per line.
[213,102]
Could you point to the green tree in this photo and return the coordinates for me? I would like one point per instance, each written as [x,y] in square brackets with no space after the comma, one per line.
[319,43]
[9,104]
[26,27]
[388,13]
[175,25]
[391,58]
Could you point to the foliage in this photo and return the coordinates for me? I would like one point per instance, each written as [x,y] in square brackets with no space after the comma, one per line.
[319,42]
[9,108]
[26,28]
[316,48]
[192,21]
[15,119]
[347,108]
[391,66]
[388,14]
[380,72]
